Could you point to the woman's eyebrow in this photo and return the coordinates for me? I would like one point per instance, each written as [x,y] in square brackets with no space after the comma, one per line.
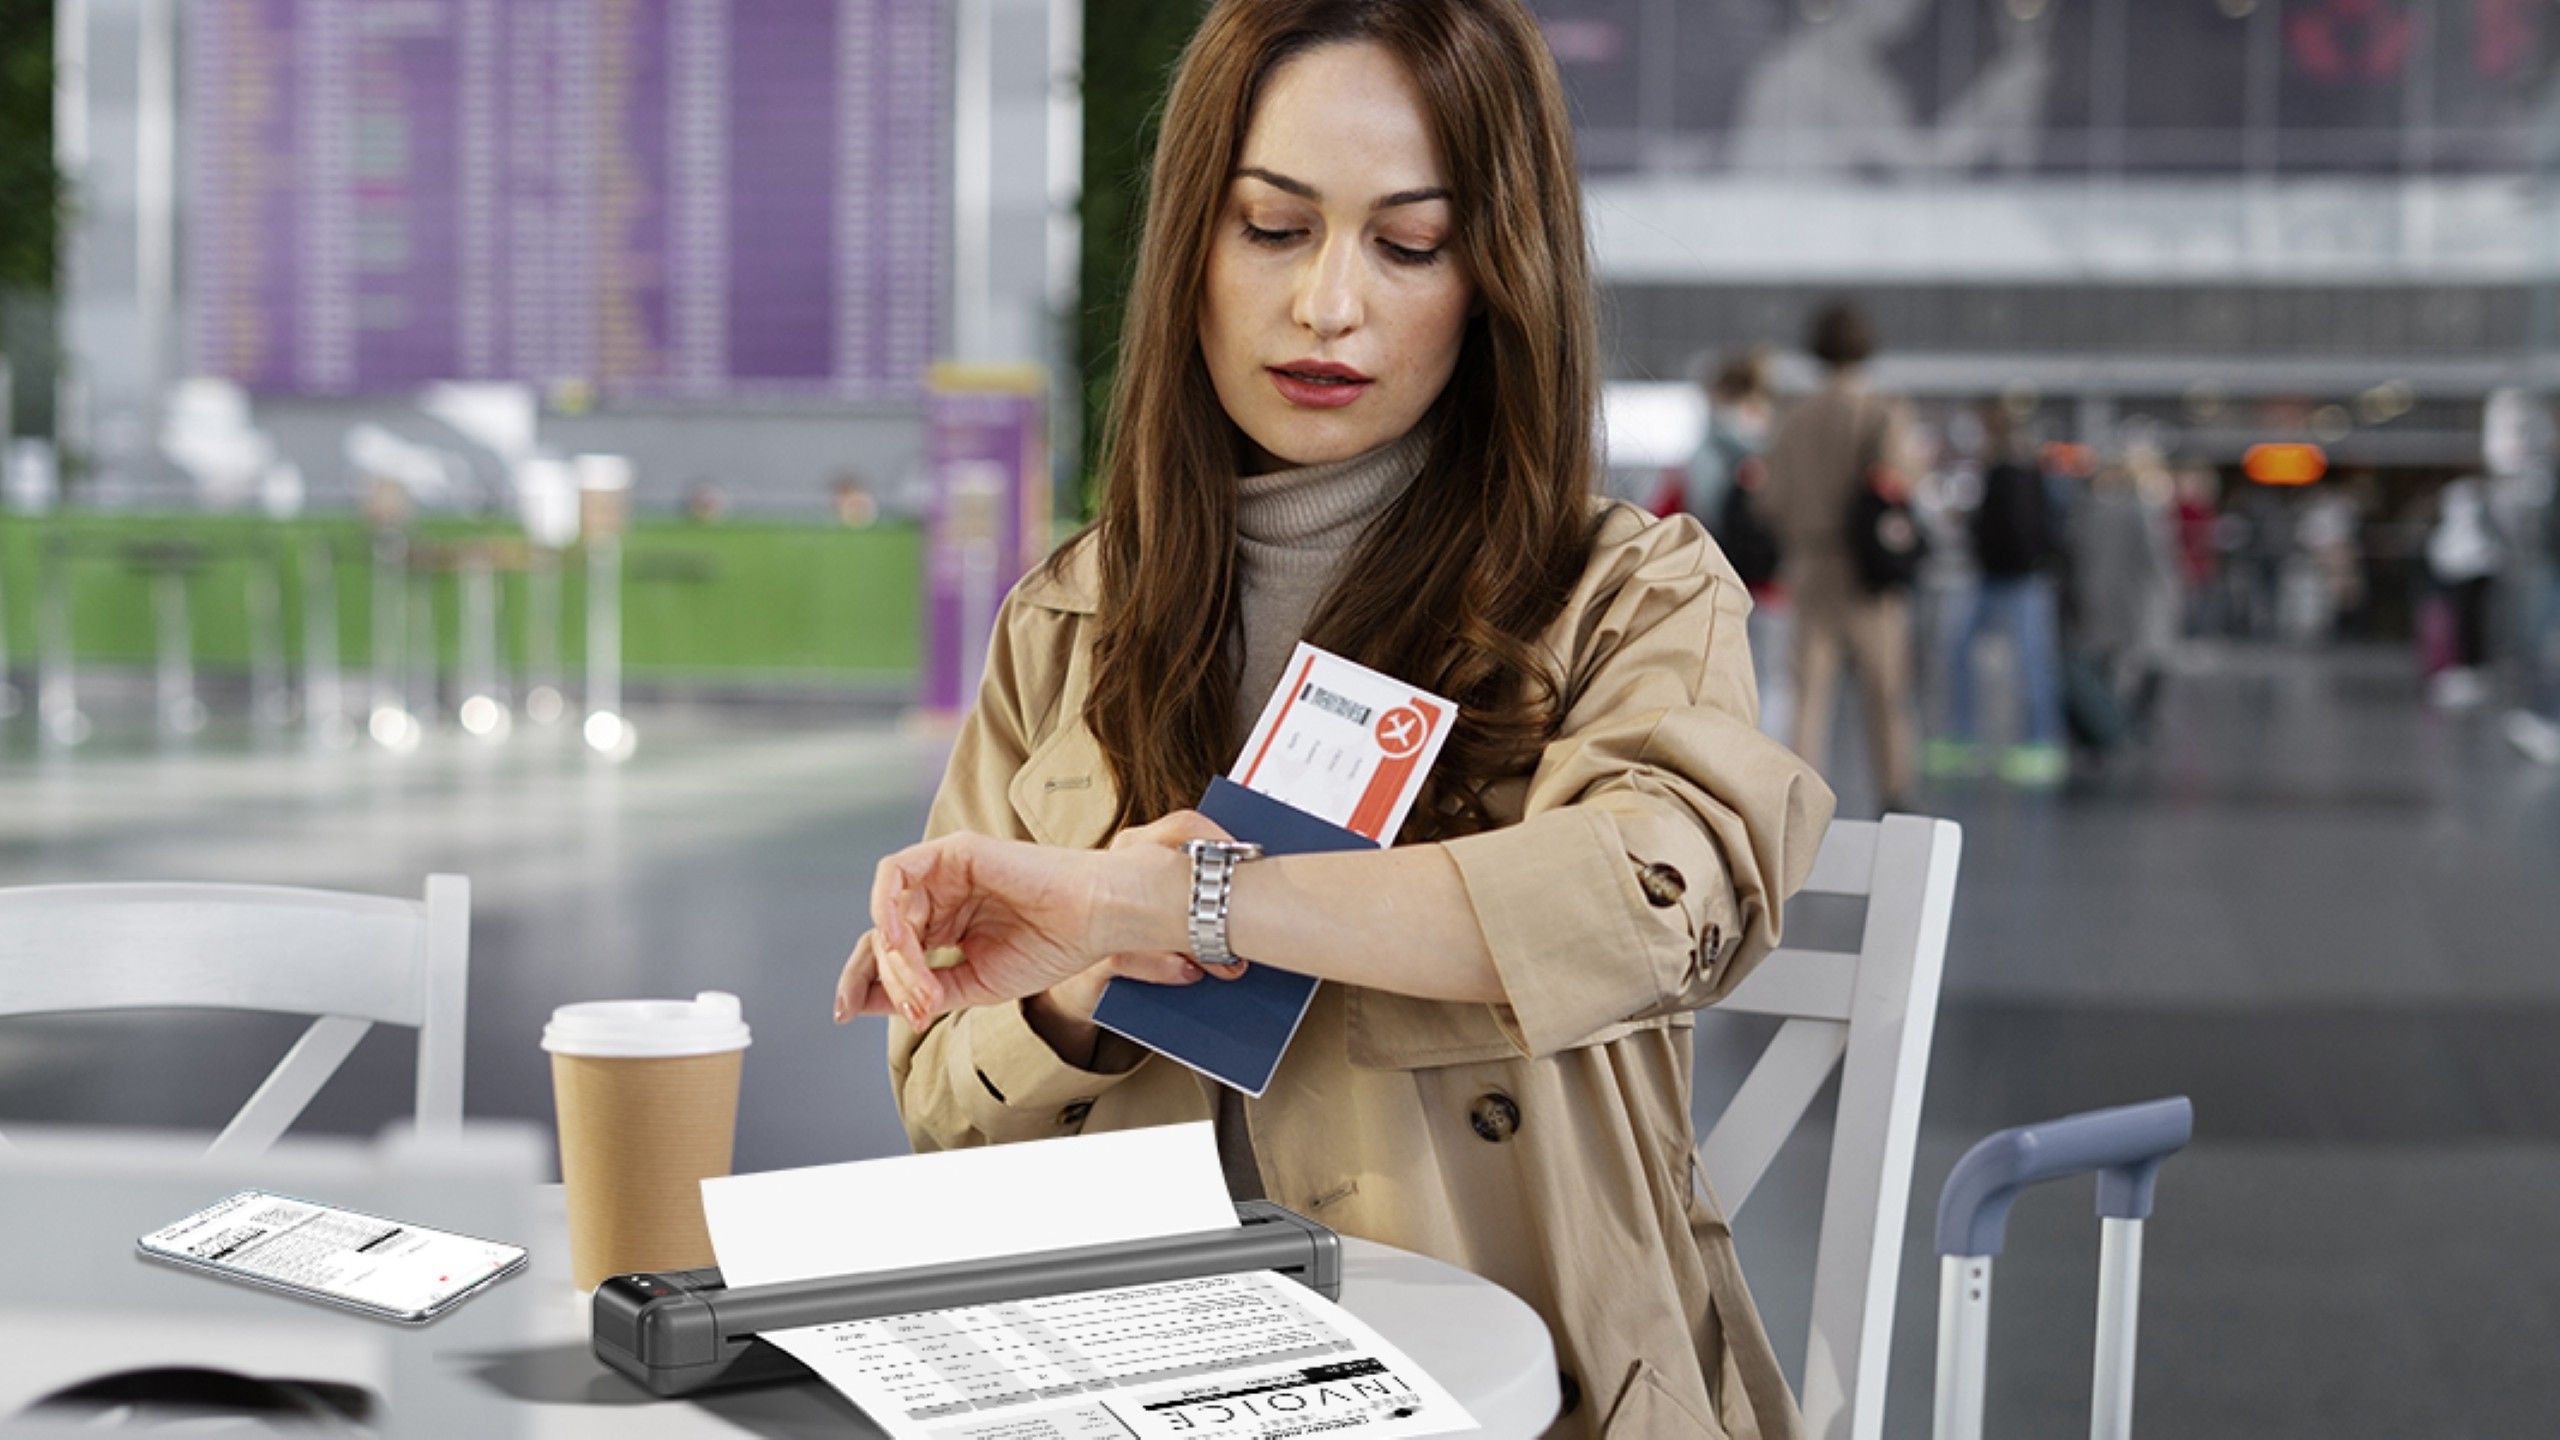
[1305,191]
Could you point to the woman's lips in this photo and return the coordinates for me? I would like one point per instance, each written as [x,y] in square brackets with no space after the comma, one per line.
[1318,394]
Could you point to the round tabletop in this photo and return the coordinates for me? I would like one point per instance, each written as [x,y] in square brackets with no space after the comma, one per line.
[519,1358]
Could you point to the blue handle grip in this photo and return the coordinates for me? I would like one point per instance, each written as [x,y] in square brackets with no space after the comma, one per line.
[2124,1145]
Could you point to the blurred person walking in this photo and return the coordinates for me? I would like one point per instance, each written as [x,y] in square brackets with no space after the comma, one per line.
[2254,536]
[2014,537]
[1724,481]
[2330,561]
[1738,412]
[2125,584]
[2463,553]
[1831,451]
[2199,561]
[2534,727]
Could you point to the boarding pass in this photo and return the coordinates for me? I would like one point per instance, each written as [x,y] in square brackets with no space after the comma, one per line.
[1344,743]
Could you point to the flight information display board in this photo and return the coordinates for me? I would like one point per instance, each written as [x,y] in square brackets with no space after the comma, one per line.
[707,199]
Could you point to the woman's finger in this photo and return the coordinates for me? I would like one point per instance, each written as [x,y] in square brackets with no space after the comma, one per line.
[884,879]
[1158,967]
[900,961]
[894,880]
[893,981]
[1184,825]
[1232,970]
[912,915]
[904,966]
[914,979]
[1171,831]
[1150,833]
[857,982]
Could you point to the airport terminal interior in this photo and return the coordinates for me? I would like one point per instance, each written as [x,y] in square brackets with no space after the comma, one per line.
[639,568]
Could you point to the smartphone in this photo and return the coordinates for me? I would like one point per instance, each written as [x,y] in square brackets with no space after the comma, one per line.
[361,1262]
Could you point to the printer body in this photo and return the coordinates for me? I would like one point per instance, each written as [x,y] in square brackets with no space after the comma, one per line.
[679,1332]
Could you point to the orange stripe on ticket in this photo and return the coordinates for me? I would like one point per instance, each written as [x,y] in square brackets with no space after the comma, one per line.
[1401,734]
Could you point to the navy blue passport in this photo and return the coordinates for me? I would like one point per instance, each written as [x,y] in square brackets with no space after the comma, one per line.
[1231,1030]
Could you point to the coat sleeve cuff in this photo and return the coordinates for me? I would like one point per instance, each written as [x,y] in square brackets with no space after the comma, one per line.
[1563,978]
[1014,1086]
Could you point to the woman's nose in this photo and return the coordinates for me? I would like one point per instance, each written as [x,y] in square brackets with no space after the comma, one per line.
[1329,302]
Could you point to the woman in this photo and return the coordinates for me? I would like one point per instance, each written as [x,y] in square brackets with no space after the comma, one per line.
[1355,404]
[2124,581]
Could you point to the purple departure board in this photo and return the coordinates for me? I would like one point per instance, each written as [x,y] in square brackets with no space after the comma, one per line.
[654,198]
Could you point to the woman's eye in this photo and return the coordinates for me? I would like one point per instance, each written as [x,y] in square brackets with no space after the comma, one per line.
[1406,255]
[1255,234]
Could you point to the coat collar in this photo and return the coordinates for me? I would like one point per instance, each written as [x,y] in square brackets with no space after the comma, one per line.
[1073,586]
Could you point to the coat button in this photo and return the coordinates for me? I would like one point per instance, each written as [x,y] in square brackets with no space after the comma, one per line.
[1661,884]
[1074,1114]
[1496,1117]
[1568,1393]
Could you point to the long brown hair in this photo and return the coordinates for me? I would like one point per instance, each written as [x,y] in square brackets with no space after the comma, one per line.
[1459,577]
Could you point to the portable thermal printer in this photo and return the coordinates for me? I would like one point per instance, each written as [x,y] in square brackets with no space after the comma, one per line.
[677,1332]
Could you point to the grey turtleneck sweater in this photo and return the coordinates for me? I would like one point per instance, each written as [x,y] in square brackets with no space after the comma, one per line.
[1294,529]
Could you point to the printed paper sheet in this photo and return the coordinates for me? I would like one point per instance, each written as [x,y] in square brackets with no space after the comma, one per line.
[1226,1356]
[1245,1356]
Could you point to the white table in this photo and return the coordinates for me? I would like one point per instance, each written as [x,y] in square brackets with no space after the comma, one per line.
[519,1355]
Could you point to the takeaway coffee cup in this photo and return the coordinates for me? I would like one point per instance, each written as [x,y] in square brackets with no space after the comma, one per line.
[647,1095]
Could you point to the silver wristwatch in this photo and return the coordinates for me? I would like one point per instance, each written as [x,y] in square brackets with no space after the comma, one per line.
[1213,869]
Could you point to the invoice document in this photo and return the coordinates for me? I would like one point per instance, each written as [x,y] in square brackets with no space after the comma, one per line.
[1251,1354]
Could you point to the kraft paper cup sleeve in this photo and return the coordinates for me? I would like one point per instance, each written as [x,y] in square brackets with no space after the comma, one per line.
[637,1138]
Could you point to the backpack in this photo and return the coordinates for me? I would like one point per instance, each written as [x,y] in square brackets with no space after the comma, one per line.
[1886,544]
[1747,539]
[1885,540]
[2011,531]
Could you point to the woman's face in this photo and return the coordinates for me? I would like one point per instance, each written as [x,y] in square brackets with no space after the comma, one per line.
[1336,304]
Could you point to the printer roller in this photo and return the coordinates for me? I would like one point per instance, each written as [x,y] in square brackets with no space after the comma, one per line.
[677,1332]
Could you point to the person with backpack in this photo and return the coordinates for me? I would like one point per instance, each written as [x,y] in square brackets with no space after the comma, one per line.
[1728,463]
[2014,539]
[1838,499]
[1724,481]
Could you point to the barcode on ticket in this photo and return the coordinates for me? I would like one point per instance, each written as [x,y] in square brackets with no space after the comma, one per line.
[1342,705]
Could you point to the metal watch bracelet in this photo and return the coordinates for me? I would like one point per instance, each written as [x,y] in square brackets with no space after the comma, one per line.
[1213,869]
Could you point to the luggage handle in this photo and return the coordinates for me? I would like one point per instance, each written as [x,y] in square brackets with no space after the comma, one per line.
[2125,1147]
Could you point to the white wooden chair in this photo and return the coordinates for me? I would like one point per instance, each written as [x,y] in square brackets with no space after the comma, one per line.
[1870,1013]
[350,960]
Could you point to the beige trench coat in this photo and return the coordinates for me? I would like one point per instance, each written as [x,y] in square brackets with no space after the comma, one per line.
[1544,1144]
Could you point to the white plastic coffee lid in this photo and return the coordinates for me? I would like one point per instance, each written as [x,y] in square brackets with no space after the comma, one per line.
[634,1029]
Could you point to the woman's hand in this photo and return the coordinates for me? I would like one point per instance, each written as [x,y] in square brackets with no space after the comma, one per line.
[1024,919]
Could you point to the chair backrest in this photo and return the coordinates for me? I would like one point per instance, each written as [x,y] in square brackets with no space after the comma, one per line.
[1871,1014]
[350,960]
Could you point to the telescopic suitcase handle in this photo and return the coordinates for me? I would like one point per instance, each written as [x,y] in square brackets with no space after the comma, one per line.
[2123,1147]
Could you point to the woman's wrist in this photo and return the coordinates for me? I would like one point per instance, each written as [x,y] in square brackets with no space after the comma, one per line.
[1145,903]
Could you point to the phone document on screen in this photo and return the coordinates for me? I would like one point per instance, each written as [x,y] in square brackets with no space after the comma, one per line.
[363,1262]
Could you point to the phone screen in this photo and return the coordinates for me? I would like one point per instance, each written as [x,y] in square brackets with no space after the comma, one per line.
[406,1271]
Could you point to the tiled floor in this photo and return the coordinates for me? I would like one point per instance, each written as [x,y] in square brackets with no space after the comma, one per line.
[2328,915]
